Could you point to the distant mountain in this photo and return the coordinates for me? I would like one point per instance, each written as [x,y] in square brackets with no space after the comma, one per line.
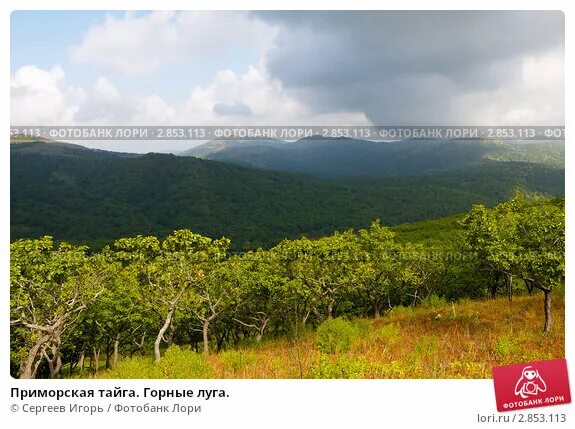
[214,146]
[348,157]
[94,197]
[40,146]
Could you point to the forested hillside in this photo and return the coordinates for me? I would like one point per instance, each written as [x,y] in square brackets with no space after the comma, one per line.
[94,197]
[345,157]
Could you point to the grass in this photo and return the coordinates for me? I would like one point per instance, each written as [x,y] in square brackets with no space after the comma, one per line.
[464,340]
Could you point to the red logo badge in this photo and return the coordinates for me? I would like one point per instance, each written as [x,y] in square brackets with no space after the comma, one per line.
[530,385]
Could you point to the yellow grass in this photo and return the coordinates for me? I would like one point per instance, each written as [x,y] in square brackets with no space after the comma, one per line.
[464,340]
[461,341]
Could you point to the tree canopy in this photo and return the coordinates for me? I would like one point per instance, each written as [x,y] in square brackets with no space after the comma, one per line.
[144,292]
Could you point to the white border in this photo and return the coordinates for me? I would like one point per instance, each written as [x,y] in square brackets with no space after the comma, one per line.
[284,403]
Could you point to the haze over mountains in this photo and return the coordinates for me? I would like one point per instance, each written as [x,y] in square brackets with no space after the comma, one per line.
[92,196]
[349,157]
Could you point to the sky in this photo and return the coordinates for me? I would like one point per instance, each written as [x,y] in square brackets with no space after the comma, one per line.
[287,68]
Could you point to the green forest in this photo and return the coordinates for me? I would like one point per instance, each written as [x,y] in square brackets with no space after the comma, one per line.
[94,197]
[345,157]
[439,298]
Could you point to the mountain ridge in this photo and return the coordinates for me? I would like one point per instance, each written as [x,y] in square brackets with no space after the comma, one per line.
[96,197]
[350,157]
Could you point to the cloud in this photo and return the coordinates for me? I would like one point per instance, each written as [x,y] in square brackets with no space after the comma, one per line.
[535,96]
[105,104]
[42,97]
[231,99]
[257,91]
[421,67]
[140,44]
[312,68]
[237,109]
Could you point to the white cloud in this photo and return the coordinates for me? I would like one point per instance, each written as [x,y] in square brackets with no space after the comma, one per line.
[41,97]
[263,96]
[105,91]
[309,72]
[136,45]
[44,101]
[535,96]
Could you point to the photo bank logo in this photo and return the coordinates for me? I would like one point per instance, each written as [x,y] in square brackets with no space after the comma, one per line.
[532,384]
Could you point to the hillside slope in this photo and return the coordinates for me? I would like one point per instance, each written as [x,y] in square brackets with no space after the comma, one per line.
[354,158]
[95,196]
[442,340]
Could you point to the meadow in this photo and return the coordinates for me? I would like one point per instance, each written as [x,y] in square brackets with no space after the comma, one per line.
[436,340]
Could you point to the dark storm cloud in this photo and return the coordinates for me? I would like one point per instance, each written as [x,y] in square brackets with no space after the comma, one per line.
[407,67]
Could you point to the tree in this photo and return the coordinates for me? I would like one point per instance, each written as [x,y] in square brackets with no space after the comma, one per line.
[521,238]
[215,294]
[167,270]
[541,249]
[325,267]
[118,315]
[49,287]
[380,268]
[264,297]
[424,269]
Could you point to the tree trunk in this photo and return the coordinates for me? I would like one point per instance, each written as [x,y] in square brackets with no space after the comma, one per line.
[96,357]
[205,328]
[304,319]
[81,361]
[317,314]
[375,308]
[529,286]
[139,345]
[330,309]
[173,306]
[171,333]
[58,365]
[108,355]
[221,340]
[414,302]
[548,315]
[262,329]
[54,361]
[160,336]
[493,290]
[56,372]
[116,350]
[28,366]
[509,279]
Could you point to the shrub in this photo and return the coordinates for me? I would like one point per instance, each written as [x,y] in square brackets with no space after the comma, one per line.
[336,335]
[180,363]
[400,310]
[363,326]
[341,367]
[393,369]
[236,361]
[135,367]
[433,301]
[176,363]
[503,347]
[248,343]
[425,346]
[387,334]
[462,368]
